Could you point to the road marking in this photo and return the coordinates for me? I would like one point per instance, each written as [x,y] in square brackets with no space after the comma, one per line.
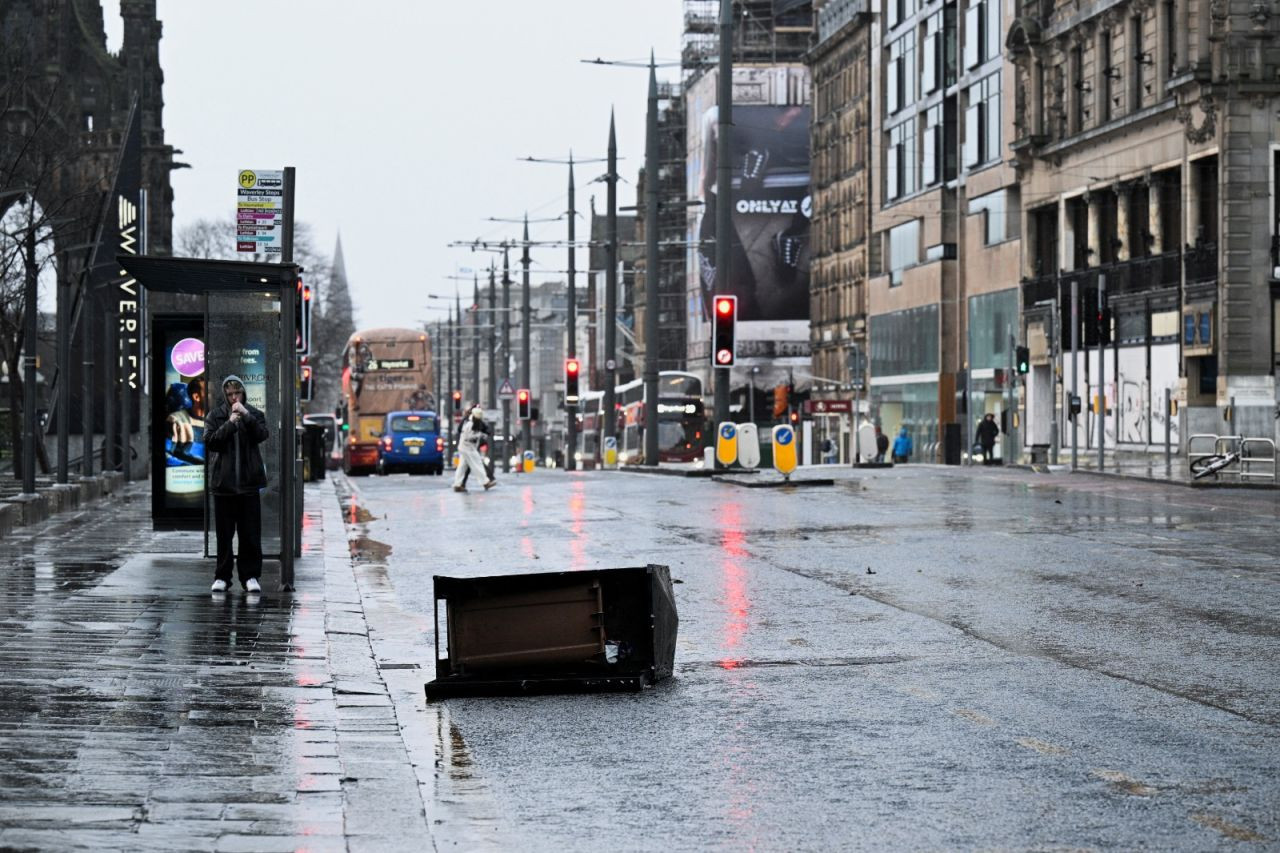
[1041,746]
[1230,830]
[974,716]
[1124,783]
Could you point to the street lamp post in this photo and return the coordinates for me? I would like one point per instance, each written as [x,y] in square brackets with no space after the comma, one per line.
[526,428]
[475,341]
[571,348]
[651,273]
[611,289]
[506,357]
[491,399]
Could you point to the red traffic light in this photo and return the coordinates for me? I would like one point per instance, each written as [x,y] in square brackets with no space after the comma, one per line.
[571,366]
[724,306]
[306,372]
[524,395]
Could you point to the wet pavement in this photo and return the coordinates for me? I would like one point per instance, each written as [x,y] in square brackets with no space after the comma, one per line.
[140,712]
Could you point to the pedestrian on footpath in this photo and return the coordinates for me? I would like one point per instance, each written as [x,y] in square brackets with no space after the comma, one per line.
[233,432]
[474,429]
[986,435]
[882,445]
[901,447]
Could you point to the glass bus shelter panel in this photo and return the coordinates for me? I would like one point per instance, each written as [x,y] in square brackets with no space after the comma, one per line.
[243,338]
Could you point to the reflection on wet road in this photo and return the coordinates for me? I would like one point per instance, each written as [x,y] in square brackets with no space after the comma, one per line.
[916,658]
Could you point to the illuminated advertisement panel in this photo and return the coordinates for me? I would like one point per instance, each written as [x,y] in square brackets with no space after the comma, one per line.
[769,263]
[179,373]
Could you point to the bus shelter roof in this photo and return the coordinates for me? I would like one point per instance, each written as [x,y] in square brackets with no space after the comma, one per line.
[199,275]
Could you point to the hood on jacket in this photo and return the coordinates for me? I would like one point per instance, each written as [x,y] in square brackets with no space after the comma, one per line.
[232,378]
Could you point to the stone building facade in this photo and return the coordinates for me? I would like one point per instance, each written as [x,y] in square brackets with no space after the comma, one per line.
[840,62]
[1146,139]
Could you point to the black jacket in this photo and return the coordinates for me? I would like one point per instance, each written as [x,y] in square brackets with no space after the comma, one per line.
[234,464]
[987,432]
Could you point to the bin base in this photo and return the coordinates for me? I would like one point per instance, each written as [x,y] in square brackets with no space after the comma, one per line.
[446,688]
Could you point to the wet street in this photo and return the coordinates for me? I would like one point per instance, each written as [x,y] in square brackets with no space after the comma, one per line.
[912,658]
[920,658]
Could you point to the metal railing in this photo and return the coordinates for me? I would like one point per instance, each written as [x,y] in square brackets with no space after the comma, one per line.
[1232,456]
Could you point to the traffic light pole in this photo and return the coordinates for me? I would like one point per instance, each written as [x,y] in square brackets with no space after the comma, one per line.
[526,426]
[724,187]
[651,273]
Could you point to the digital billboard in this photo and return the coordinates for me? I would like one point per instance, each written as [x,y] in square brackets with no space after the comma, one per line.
[769,263]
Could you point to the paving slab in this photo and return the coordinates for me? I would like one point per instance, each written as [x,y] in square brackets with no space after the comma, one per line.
[139,711]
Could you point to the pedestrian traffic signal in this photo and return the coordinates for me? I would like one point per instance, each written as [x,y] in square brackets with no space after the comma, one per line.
[522,404]
[1022,358]
[723,328]
[571,371]
[304,392]
[302,318]
[457,402]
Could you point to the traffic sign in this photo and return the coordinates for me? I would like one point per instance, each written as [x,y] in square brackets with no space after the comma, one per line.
[506,391]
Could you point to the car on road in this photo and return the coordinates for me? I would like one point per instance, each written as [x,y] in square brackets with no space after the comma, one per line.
[410,441]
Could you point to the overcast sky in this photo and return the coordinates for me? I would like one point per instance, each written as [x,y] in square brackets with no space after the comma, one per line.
[405,119]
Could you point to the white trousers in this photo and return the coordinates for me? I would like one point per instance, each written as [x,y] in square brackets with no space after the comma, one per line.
[469,457]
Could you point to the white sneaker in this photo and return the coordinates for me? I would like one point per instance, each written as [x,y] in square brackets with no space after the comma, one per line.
[219,586]
[252,585]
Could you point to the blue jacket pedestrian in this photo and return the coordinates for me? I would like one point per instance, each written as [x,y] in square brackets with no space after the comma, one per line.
[901,446]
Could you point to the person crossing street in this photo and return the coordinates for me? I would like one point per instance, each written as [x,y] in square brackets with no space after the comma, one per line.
[474,430]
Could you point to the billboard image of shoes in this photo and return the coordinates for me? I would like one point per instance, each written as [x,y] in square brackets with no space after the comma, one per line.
[769,252]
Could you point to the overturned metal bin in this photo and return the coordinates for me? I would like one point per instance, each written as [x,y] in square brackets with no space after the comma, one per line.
[553,632]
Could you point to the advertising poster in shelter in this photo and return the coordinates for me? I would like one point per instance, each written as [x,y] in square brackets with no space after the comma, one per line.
[185,408]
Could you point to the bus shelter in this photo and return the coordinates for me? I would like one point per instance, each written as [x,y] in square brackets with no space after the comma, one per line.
[248,328]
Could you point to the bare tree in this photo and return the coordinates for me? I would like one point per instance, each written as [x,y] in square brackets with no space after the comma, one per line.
[331,322]
[48,198]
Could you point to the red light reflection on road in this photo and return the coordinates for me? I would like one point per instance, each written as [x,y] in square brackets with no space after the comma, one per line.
[526,547]
[737,603]
[578,545]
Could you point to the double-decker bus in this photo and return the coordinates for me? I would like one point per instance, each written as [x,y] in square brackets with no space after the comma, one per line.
[682,420]
[383,370]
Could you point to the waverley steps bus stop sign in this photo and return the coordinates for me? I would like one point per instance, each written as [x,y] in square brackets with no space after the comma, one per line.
[260,212]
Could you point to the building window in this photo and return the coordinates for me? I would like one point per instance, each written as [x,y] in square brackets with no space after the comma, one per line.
[1000,211]
[900,165]
[931,55]
[1171,36]
[1104,79]
[904,249]
[1078,87]
[982,122]
[1136,60]
[900,75]
[981,32]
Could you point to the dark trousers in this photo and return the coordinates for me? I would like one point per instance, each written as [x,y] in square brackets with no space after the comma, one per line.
[988,452]
[239,514]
